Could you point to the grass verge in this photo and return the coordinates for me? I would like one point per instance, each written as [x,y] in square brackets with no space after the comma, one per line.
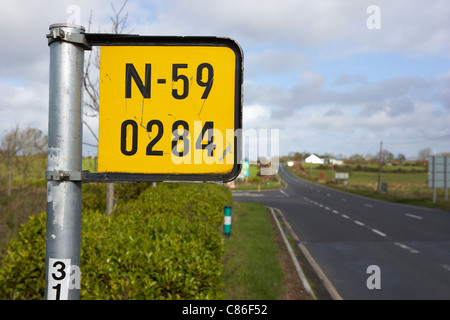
[257,265]
[251,267]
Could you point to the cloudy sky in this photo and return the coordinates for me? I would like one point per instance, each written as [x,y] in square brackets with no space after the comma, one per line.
[332,76]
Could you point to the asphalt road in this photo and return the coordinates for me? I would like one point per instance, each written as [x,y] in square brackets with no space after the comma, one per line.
[346,234]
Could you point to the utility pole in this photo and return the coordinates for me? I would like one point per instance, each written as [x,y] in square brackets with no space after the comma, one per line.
[380,164]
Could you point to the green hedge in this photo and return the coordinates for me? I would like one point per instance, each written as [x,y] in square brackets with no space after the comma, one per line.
[165,244]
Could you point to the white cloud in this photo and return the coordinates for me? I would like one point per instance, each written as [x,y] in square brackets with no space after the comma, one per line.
[409,26]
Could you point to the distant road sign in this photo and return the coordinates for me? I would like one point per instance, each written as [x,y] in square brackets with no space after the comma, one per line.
[341,176]
[439,172]
[245,170]
[170,108]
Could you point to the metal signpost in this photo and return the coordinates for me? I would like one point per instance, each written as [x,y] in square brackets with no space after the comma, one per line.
[67,46]
[439,174]
[170,110]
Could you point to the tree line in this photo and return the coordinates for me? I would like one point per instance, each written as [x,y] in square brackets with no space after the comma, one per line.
[358,159]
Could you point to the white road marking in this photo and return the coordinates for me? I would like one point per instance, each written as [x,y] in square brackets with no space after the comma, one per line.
[446,267]
[404,246]
[368,205]
[379,232]
[247,194]
[413,216]
[284,193]
[359,222]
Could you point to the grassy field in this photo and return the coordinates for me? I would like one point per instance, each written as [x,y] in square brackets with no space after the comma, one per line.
[89,164]
[28,194]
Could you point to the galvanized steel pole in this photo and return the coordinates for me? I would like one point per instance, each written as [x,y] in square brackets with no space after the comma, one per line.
[62,273]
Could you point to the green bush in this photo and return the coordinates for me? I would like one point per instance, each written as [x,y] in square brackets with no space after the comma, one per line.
[165,244]
[23,266]
[94,194]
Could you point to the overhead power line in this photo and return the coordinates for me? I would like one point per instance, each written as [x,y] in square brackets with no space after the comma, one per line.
[419,141]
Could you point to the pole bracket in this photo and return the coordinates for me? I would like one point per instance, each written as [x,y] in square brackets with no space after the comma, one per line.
[61,175]
[57,33]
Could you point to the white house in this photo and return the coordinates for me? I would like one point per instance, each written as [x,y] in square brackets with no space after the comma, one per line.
[313,159]
[334,161]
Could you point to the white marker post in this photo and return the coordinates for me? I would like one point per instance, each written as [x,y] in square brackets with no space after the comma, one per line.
[62,275]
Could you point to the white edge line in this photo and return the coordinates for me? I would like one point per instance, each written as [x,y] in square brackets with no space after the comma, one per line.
[291,253]
[322,276]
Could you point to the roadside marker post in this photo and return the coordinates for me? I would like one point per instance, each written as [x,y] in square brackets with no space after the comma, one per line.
[227,221]
[212,152]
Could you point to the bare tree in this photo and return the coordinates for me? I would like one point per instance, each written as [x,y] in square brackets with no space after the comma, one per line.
[31,142]
[424,154]
[19,146]
[10,146]
[91,86]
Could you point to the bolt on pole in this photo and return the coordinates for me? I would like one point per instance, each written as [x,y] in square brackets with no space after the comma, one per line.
[62,274]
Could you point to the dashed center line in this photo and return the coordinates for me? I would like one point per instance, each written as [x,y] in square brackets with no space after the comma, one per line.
[413,216]
[379,232]
[382,234]
[404,246]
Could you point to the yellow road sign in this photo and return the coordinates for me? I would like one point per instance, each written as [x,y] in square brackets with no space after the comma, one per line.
[171,110]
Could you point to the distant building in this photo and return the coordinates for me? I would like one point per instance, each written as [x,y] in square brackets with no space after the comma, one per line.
[314,159]
[334,161]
